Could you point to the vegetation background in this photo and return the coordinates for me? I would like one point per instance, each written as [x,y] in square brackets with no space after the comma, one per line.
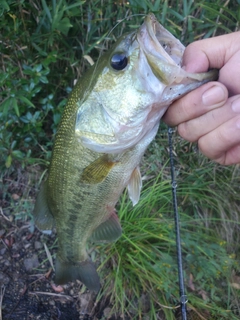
[46,45]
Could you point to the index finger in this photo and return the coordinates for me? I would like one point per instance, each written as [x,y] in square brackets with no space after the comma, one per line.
[196,103]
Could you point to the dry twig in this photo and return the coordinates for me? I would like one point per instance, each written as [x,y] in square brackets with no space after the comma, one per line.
[1,300]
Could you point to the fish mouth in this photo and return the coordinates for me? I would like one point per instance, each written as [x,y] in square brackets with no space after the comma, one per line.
[155,40]
[164,55]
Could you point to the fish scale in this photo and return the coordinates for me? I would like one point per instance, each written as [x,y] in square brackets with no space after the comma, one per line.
[112,115]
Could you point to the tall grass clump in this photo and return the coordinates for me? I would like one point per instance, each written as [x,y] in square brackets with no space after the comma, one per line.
[144,278]
[46,45]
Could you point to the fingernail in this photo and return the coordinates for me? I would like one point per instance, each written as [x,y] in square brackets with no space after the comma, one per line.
[236,105]
[213,96]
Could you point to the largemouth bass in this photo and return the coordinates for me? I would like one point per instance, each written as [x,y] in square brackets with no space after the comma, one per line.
[112,115]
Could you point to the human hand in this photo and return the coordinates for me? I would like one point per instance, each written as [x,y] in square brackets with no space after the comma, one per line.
[210,114]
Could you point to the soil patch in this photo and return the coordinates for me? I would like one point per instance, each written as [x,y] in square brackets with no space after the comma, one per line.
[27,290]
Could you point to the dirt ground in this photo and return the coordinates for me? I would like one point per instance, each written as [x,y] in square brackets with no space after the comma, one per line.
[27,290]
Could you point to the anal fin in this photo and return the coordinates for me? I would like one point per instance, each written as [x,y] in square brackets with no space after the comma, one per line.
[135,186]
[109,230]
[43,217]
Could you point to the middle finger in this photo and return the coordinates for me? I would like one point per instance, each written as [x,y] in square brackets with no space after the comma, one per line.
[193,129]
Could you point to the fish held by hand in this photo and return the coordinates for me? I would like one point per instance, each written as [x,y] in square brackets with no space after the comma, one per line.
[112,115]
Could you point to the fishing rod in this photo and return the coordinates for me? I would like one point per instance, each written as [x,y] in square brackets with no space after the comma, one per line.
[183,296]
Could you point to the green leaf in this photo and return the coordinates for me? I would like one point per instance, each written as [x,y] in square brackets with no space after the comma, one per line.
[5,106]
[18,154]
[43,79]
[40,50]
[15,106]
[5,5]
[38,67]
[8,161]
[25,100]
[64,25]
[13,144]
[78,4]
[46,10]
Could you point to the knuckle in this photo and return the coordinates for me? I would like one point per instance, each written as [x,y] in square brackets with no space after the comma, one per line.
[182,130]
[185,133]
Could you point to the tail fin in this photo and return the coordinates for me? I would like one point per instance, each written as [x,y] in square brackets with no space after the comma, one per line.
[84,271]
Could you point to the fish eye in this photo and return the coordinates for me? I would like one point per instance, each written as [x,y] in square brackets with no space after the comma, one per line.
[119,61]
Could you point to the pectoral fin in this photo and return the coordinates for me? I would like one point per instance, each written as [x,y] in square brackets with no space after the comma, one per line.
[43,217]
[135,186]
[97,171]
[109,230]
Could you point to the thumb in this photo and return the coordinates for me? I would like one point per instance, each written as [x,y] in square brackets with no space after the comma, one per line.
[205,54]
[222,52]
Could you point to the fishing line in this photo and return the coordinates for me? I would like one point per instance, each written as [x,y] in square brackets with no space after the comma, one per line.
[183,297]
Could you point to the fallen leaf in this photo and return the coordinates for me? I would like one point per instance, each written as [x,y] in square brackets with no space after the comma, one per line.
[15,196]
[190,282]
[89,59]
[9,242]
[47,274]
[57,288]
[235,286]
[203,294]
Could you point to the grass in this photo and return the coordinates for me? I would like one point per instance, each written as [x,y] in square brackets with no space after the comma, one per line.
[143,260]
[46,47]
